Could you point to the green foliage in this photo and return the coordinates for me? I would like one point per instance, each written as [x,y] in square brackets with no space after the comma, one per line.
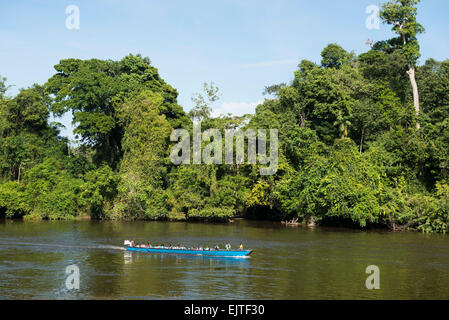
[334,56]
[13,200]
[26,138]
[3,87]
[202,109]
[93,90]
[431,213]
[98,191]
[51,191]
[348,147]
[401,14]
[341,184]
[212,213]
[144,163]
[259,194]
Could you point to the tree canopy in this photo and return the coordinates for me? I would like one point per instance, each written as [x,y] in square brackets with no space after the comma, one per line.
[349,148]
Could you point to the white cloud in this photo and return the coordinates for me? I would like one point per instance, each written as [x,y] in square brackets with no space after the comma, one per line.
[236,108]
[270,63]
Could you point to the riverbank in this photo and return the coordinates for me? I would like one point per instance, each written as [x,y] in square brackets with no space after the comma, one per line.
[309,223]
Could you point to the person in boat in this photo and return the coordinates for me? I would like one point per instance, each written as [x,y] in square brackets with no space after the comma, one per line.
[129,243]
[228,246]
[241,246]
[217,247]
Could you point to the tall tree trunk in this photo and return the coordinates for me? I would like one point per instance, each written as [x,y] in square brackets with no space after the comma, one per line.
[302,119]
[361,140]
[411,74]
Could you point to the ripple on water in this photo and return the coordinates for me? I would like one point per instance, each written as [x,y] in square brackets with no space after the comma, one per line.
[286,263]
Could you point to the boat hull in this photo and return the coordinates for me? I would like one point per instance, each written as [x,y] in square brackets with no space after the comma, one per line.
[209,253]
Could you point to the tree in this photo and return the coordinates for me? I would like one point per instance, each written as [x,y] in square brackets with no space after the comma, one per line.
[94,89]
[25,135]
[334,56]
[202,109]
[323,98]
[433,79]
[349,151]
[3,87]
[273,89]
[401,14]
[145,157]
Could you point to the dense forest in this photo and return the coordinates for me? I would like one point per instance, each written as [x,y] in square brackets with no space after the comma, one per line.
[363,141]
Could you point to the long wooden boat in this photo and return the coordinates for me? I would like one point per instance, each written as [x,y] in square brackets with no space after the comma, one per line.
[212,252]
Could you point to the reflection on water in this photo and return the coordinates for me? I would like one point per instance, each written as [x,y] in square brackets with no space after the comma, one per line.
[130,257]
[287,263]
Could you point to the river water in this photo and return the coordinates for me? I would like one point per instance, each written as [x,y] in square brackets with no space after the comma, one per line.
[287,263]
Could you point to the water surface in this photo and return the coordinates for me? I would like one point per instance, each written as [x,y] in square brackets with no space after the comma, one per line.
[287,263]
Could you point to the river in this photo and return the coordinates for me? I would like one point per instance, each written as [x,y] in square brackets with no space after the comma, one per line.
[287,263]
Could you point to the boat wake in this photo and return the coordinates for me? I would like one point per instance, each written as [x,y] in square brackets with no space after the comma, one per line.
[110,247]
[34,244]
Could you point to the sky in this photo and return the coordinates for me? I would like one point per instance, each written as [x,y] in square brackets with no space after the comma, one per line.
[240,45]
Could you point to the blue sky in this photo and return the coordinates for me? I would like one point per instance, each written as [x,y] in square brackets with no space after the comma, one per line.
[241,45]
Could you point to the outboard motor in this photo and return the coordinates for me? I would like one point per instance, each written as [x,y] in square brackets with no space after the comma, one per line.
[127,243]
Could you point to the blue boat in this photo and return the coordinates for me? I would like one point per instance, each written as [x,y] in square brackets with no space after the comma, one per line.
[211,252]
